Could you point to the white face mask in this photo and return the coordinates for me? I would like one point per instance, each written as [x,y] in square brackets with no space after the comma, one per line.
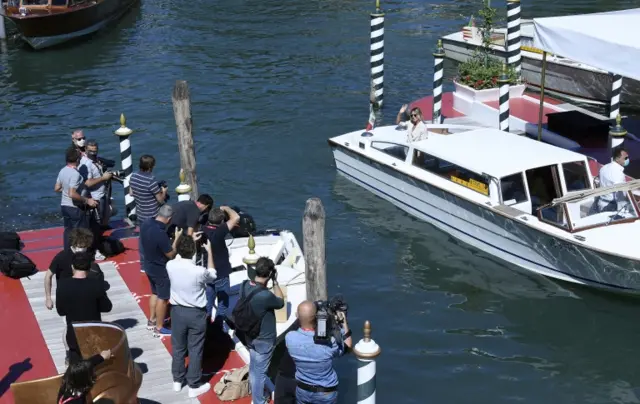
[80,143]
[77,249]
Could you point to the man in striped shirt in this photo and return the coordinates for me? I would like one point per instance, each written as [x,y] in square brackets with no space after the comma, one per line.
[148,195]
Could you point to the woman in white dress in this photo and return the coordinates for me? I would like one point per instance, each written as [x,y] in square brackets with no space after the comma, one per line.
[416,129]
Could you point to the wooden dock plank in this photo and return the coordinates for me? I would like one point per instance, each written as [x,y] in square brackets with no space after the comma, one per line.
[149,352]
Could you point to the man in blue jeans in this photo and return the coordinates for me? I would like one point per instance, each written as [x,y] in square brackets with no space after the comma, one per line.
[216,231]
[263,304]
[316,379]
[74,204]
[148,196]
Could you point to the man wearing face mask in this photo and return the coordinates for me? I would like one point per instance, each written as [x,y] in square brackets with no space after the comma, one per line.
[78,140]
[95,179]
[612,174]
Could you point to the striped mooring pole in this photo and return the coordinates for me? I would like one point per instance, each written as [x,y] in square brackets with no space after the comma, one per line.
[125,159]
[367,351]
[377,55]
[503,81]
[616,89]
[438,71]
[617,134]
[513,36]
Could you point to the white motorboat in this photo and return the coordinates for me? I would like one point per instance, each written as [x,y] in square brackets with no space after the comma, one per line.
[564,77]
[526,202]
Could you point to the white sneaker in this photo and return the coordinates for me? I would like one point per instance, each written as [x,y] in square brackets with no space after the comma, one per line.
[177,387]
[193,393]
[99,256]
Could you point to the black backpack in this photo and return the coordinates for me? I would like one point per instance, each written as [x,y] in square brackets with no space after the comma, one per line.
[110,247]
[16,265]
[244,318]
[9,240]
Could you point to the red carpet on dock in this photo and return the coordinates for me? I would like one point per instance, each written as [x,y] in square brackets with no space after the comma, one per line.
[25,355]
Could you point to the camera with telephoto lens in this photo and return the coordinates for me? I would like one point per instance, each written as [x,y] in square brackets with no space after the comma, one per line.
[328,323]
[117,173]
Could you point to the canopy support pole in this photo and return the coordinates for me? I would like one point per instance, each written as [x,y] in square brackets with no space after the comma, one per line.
[542,79]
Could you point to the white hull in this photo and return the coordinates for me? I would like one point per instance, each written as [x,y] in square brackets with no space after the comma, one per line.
[508,240]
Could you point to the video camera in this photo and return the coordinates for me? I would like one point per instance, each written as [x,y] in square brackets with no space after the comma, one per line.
[108,165]
[327,322]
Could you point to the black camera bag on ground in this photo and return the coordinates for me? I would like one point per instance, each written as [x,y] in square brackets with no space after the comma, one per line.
[9,240]
[16,265]
[110,247]
[243,317]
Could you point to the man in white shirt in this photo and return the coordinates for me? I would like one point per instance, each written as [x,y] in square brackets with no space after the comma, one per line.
[189,314]
[612,174]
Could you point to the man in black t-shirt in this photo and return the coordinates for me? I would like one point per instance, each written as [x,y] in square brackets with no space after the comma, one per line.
[186,214]
[216,231]
[80,240]
[80,298]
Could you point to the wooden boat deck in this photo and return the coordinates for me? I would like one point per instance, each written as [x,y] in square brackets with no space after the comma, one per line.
[33,346]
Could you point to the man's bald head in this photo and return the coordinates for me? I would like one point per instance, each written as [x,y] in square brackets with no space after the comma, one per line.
[307,314]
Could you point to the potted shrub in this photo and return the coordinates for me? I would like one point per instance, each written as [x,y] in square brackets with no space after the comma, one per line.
[477,78]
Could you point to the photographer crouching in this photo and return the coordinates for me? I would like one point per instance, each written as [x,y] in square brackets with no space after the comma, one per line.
[323,335]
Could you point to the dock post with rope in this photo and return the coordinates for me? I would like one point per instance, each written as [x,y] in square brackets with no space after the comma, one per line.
[126,161]
[514,59]
[184,126]
[377,56]
[438,72]
[366,350]
[503,108]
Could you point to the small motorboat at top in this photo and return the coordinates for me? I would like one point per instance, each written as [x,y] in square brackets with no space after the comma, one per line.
[528,203]
[46,23]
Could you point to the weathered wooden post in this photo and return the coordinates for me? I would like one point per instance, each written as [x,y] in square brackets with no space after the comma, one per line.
[3,31]
[183,189]
[314,249]
[366,350]
[184,126]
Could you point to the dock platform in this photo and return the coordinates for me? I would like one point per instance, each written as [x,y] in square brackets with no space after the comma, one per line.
[32,341]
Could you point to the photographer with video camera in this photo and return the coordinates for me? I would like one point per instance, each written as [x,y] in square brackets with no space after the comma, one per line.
[220,222]
[323,335]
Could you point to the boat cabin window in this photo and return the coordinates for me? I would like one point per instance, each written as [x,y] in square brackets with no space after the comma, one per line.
[392,149]
[544,186]
[575,176]
[58,2]
[35,2]
[601,211]
[513,190]
[452,172]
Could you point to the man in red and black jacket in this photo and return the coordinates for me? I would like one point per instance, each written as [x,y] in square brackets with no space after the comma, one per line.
[221,221]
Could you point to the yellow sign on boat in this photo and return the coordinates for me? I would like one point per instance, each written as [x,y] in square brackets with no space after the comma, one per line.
[472,184]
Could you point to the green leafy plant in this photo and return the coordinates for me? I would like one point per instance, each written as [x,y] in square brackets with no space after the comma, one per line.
[481,71]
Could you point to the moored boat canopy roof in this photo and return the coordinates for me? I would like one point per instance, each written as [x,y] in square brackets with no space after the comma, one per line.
[603,40]
[494,152]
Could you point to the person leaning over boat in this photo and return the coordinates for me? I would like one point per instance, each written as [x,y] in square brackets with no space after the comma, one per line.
[612,174]
[416,128]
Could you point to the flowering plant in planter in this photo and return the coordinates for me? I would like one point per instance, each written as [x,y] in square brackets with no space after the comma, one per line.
[481,71]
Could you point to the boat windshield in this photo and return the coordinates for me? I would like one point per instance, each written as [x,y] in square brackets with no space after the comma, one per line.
[617,207]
